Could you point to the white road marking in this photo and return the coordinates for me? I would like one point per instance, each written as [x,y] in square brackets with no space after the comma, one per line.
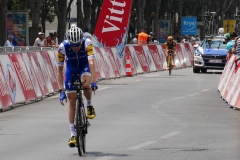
[53,97]
[205,90]
[174,133]
[154,106]
[102,88]
[137,80]
[194,94]
[150,76]
[178,98]
[143,145]
[105,158]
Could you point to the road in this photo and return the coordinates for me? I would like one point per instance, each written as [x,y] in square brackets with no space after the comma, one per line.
[146,117]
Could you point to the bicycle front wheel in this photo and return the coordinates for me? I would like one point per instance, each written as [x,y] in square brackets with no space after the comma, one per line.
[170,65]
[79,128]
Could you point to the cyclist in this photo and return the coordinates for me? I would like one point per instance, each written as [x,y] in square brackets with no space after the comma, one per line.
[170,44]
[78,54]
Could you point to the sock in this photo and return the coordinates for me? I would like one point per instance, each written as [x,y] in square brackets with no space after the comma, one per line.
[89,102]
[72,130]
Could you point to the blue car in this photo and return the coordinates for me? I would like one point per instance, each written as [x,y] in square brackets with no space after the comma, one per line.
[211,54]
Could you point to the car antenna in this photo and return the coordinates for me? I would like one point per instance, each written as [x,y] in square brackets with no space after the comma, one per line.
[219,45]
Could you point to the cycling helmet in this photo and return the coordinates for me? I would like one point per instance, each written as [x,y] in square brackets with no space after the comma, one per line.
[75,35]
[169,38]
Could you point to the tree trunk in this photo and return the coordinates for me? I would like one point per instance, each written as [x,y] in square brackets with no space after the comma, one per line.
[22,5]
[156,18]
[79,14]
[35,10]
[61,11]
[3,9]
[87,13]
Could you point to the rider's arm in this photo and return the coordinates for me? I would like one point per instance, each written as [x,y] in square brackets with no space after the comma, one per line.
[61,59]
[91,58]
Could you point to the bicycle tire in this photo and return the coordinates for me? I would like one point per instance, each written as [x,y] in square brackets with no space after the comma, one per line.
[79,129]
[170,64]
[84,129]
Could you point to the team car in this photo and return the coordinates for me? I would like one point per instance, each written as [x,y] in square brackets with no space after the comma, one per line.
[211,54]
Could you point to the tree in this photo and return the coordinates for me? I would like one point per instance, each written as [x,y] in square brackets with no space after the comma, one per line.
[47,13]
[61,11]
[3,9]
[35,6]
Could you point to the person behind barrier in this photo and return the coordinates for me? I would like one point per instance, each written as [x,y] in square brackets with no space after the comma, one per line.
[78,53]
[236,49]
[229,38]
[15,41]
[170,45]
[8,43]
[143,37]
[40,41]
[51,40]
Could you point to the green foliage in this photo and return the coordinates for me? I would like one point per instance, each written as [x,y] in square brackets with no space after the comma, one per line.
[12,4]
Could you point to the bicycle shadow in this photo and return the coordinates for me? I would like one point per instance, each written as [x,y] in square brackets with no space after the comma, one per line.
[101,154]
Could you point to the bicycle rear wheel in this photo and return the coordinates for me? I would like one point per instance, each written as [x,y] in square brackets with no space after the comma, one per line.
[84,127]
[79,129]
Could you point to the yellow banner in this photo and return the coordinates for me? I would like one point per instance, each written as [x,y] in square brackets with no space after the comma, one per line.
[228,25]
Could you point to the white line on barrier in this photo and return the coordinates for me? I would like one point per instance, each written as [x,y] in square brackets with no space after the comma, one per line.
[143,145]
[174,133]
[194,94]
[105,158]
[205,90]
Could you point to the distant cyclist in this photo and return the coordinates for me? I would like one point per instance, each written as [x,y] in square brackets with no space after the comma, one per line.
[170,45]
[78,54]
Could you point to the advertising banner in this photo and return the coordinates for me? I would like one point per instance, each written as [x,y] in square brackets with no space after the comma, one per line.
[49,68]
[5,96]
[108,63]
[228,25]
[99,73]
[162,56]
[53,59]
[142,58]
[111,59]
[164,30]
[102,63]
[189,25]
[189,52]
[37,72]
[153,50]
[23,76]
[149,58]
[12,80]
[112,25]
[32,74]
[18,22]
[185,55]
[119,61]
[181,58]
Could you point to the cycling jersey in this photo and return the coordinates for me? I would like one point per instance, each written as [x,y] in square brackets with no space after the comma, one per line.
[76,63]
[170,46]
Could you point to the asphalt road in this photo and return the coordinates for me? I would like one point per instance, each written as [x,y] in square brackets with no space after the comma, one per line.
[146,117]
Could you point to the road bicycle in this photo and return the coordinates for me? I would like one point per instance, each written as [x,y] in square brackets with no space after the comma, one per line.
[169,62]
[81,121]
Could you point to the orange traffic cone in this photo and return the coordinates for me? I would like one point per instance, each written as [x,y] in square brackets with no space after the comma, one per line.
[128,67]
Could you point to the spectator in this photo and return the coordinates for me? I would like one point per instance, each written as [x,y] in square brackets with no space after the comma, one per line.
[15,41]
[23,42]
[40,41]
[134,40]
[197,38]
[87,34]
[8,43]
[143,37]
[154,38]
[184,40]
[230,43]
[236,49]
[51,40]
[56,39]
[192,38]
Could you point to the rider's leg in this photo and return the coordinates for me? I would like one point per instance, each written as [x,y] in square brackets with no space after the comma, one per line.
[166,54]
[88,94]
[71,114]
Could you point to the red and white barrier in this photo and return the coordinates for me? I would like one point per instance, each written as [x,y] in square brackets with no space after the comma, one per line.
[229,84]
[29,75]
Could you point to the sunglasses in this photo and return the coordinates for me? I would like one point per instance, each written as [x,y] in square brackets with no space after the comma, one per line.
[75,44]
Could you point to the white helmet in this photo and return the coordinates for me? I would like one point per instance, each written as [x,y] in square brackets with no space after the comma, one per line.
[75,35]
